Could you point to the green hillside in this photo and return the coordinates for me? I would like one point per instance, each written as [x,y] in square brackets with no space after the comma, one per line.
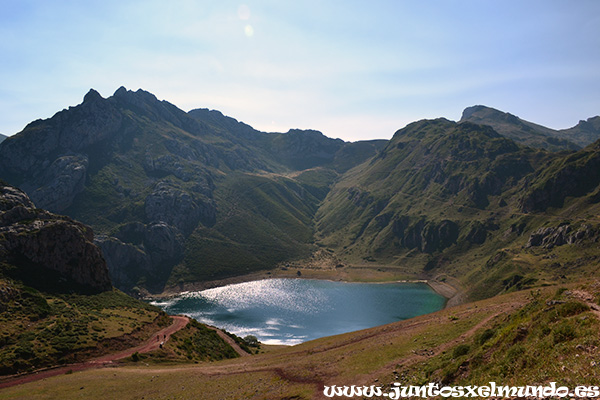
[461,200]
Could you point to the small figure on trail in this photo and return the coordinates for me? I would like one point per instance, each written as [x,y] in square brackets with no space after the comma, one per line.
[165,337]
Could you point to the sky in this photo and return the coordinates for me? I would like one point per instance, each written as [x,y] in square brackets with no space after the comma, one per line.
[352,69]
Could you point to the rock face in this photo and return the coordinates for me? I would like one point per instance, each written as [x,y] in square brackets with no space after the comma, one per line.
[550,237]
[36,240]
[178,208]
[142,250]
[574,175]
[60,182]
[126,262]
[427,237]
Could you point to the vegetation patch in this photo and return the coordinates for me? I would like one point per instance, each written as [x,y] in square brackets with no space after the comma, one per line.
[42,329]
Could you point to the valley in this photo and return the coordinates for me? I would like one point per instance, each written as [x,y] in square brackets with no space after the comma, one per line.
[129,197]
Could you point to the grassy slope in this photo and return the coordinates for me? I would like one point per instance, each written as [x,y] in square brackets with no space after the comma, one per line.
[192,344]
[262,220]
[44,329]
[497,339]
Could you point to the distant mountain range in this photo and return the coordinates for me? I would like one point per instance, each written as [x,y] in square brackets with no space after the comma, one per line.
[534,135]
[178,197]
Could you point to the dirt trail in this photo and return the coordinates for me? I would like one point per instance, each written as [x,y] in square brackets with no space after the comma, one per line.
[230,341]
[179,322]
[588,299]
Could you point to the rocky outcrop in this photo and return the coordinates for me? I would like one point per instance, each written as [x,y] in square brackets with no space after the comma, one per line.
[550,237]
[164,243]
[574,175]
[36,240]
[140,252]
[60,183]
[178,208]
[425,236]
[126,262]
[477,234]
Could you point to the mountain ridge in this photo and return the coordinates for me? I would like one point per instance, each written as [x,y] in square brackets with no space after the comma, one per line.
[531,134]
[157,183]
[180,197]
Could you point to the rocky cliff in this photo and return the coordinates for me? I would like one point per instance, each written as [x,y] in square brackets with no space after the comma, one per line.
[47,250]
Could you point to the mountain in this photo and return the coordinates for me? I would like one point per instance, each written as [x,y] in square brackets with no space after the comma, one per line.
[460,200]
[534,135]
[584,133]
[178,197]
[2,137]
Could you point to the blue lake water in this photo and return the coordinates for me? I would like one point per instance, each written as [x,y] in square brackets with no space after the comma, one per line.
[291,311]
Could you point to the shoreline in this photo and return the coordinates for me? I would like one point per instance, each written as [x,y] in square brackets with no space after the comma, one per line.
[448,287]
[453,293]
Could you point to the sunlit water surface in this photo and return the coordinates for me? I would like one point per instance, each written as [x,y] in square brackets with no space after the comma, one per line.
[291,311]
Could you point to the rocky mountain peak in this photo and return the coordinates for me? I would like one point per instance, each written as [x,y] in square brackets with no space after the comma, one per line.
[484,114]
[120,92]
[591,125]
[92,96]
[469,111]
[137,97]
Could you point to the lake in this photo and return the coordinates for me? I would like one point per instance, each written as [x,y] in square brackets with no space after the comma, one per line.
[291,311]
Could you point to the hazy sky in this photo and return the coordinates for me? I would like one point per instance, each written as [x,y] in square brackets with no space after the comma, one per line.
[352,69]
